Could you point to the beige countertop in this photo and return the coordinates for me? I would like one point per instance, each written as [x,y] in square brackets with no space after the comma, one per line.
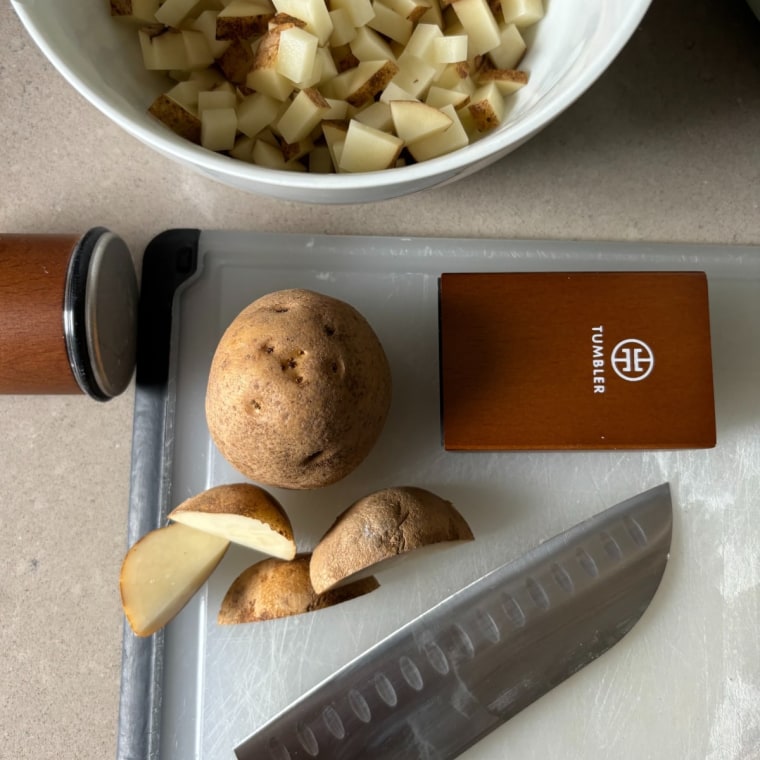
[665,147]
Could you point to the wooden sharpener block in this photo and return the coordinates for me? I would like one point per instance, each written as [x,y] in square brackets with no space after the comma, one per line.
[576,360]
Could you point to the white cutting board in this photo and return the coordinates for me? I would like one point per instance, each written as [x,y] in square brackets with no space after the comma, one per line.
[685,683]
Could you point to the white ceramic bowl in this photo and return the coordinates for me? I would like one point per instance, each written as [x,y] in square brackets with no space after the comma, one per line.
[568,50]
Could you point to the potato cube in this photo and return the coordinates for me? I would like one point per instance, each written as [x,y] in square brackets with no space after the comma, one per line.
[218,128]
[420,43]
[366,149]
[511,48]
[243,19]
[304,113]
[369,45]
[257,111]
[296,53]
[174,12]
[337,109]
[186,94]
[324,65]
[522,13]
[414,75]
[479,23]
[320,161]
[163,51]
[197,50]
[449,49]
[487,107]
[369,79]
[335,136]
[508,81]
[180,119]
[389,23]
[359,11]
[393,91]
[412,10]
[313,12]
[221,98]
[236,61]
[439,97]
[452,138]
[376,115]
[413,120]
[343,30]
[136,11]
[205,23]
[243,149]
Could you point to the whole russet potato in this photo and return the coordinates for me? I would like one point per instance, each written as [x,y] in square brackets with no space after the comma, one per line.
[299,390]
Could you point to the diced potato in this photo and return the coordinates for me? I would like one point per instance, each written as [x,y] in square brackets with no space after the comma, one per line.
[270,156]
[389,23]
[186,94]
[207,79]
[334,133]
[439,97]
[313,12]
[296,150]
[394,91]
[174,12]
[370,78]
[366,149]
[320,161]
[508,81]
[218,128]
[343,29]
[263,76]
[410,9]
[452,138]
[136,11]
[413,120]
[257,111]
[449,49]
[522,13]
[487,107]
[243,19]
[197,50]
[164,50]
[420,43]
[479,24]
[243,149]
[304,113]
[236,61]
[177,117]
[433,15]
[220,98]
[377,115]
[369,45]
[296,53]
[337,109]
[511,48]
[414,75]
[205,23]
[360,11]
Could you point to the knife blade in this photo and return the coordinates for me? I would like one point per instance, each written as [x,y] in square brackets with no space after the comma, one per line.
[458,671]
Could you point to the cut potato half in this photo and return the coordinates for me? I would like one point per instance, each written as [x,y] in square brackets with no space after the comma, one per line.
[381,526]
[274,588]
[242,513]
[162,572]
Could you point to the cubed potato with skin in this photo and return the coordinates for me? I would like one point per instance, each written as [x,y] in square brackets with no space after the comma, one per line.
[271,157]
[395,92]
[335,136]
[413,120]
[304,113]
[479,24]
[163,50]
[369,79]
[487,107]
[237,61]
[508,81]
[313,12]
[420,43]
[218,128]
[320,161]
[439,97]
[136,11]
[343,30]
[263,76]
[366,149]
[451,49]
[376,115]
[197,50]
[186,94]
[452,138]
[177,117]
[243,149]
[243,19]
[413,10]
[216,99]
[522,13]
[174,12]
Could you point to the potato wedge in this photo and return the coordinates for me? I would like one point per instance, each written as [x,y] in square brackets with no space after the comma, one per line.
[162,572]
[274,588]
[381,526]
[242,513]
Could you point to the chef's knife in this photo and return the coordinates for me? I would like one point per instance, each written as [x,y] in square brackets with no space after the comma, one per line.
[446,679]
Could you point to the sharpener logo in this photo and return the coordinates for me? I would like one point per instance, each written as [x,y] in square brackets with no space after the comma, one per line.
[632,360]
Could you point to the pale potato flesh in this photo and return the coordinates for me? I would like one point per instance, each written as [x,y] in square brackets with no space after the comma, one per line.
[162,572]
[242,513]
[358,52]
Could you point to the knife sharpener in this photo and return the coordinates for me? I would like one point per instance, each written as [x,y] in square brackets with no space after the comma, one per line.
[581,360]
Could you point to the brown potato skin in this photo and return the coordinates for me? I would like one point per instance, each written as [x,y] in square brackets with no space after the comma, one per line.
[299,390]
[382,525]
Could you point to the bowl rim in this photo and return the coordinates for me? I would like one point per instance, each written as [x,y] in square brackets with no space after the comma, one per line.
[450,164]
